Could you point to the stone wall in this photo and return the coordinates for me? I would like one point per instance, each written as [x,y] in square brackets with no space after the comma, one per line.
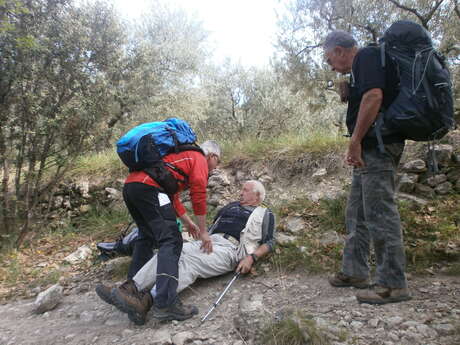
[417,176]
[75,198]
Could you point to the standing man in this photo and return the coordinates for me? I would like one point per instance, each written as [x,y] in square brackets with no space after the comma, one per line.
[372,214]
[155,215]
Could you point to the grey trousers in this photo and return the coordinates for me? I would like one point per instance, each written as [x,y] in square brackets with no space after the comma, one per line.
[194,263]
[372,215]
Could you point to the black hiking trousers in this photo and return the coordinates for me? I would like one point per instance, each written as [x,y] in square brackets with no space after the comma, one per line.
[155,217]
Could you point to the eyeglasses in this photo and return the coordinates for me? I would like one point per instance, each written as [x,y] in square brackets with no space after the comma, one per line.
[328,55]
[217,158]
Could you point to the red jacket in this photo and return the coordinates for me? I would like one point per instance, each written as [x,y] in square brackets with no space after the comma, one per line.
[192,163]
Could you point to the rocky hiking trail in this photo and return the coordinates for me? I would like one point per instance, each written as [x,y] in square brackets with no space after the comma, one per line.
[432,317]
[255,304]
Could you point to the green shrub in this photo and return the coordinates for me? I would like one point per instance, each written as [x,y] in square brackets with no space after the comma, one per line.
[294,330]
[308,252]
[431,232]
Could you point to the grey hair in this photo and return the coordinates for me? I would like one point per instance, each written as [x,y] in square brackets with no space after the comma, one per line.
[339,38]
[258,188]
[211,147]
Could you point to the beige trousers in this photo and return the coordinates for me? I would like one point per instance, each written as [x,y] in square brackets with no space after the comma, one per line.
[194,263]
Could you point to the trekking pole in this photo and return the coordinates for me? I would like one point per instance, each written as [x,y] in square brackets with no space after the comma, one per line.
[235,277]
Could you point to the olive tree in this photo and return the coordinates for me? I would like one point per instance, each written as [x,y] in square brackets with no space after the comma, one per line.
[168,48]
[59,61]
[306,23]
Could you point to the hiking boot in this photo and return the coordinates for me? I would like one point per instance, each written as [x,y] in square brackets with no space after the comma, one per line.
[342,280]
[135,303]
[383,295]
[127,288]
[176,311]
[105,293]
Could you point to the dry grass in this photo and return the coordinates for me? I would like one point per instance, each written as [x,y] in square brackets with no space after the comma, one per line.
[103,164]
[289,145]
[296,329]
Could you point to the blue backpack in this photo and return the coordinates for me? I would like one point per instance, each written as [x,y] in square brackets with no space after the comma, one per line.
[144,146]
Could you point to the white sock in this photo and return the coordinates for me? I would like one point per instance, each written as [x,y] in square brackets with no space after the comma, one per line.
[153,291]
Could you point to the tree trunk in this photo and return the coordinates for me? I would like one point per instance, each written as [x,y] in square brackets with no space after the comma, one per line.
[5,204]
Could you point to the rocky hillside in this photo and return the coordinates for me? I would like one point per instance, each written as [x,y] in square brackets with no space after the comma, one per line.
[273,304]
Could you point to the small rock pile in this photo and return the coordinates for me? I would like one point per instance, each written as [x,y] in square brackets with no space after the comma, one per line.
[415,177]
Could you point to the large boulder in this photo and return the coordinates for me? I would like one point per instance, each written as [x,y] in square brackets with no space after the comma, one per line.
[407,182]
[425,191]
[443,154]
[453,175]
[435,180]
[113,194]
[82,187]
[319,174]
[112,265]
[412,198]
[456,158]
[415,166]
[218,179]
[81,254]
[284,239]
[444,188]
[48,299]
[330,237]
[295,224]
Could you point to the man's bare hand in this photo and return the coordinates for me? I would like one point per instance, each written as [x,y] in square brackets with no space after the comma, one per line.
[244,266]
[206,243]
[354,155]
[193,230]
[344,91]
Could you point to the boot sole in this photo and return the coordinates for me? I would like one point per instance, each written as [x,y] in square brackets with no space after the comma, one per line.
[124,307]
[357,286]
[104,297]
[385,300]
[172,316]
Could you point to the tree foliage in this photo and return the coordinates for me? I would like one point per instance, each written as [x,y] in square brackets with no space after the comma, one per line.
[307,22]
[70,72]
[74,76]
[167,48]
[57,60]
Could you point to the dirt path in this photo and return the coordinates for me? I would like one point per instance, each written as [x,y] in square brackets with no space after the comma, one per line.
[431,317]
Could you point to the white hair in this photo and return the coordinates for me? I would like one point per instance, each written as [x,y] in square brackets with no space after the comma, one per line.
[339,38]
[258,188]
[211,147]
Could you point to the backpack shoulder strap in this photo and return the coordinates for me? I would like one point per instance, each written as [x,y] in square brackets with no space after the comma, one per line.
[179,171]
[188,147]
[382,54]
[182,148]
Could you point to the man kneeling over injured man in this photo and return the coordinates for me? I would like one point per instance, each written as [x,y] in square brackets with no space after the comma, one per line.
[242,233]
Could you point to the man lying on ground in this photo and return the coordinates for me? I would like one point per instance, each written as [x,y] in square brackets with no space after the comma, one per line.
[242,233]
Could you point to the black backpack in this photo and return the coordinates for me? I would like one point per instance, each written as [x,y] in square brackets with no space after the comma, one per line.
[423,109]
